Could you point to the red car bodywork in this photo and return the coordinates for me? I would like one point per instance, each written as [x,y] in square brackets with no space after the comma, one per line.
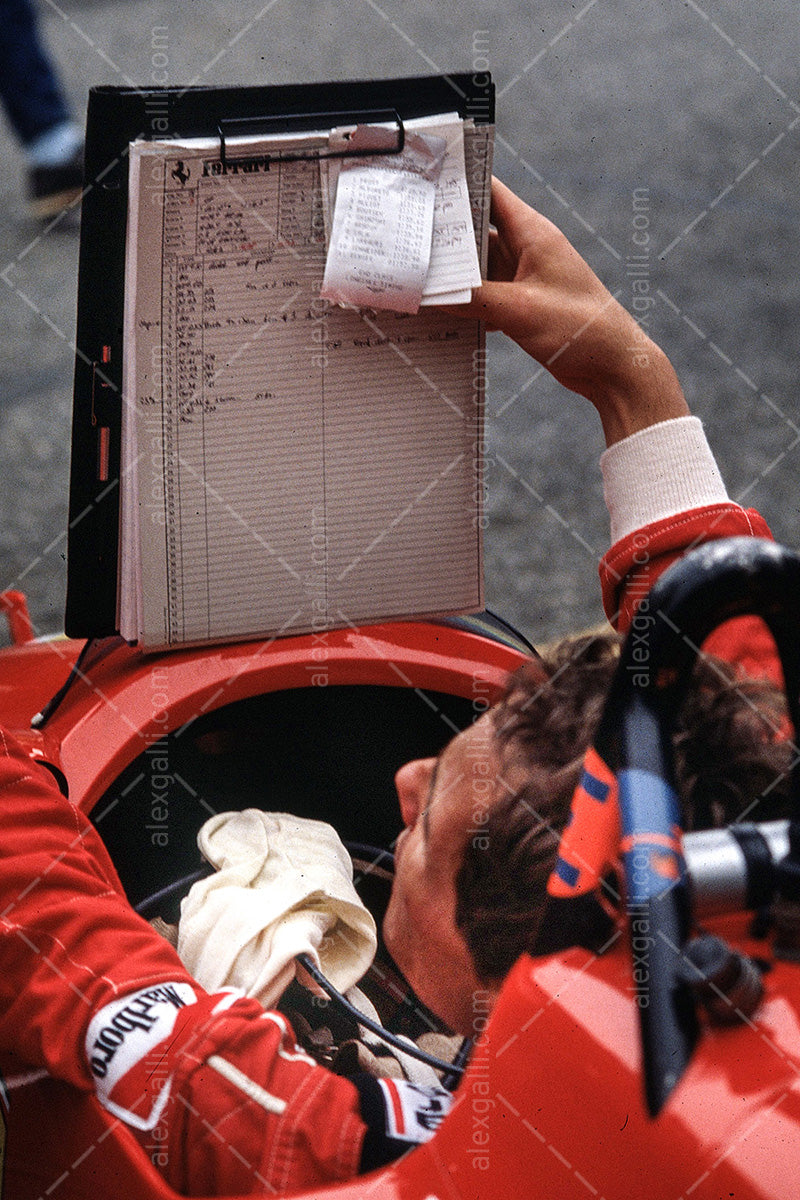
[552,1102]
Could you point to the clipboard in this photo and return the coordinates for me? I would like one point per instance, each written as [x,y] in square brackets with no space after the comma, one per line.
[117,117]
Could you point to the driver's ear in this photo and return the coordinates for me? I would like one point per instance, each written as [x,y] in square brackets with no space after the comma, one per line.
[413,784]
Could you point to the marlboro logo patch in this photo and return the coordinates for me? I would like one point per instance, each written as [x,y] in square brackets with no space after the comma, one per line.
[413,1114]
[124,1048]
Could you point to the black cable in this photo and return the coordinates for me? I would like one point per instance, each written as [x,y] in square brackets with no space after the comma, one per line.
[100,647]
[758,863]
[144,907]
[391,1039]
[453,1070]
[453,1077]
[377,857]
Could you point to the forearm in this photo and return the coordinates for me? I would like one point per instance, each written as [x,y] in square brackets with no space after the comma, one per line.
[662,486]
[541,293]
[92,994]
[69,940]
[640,391]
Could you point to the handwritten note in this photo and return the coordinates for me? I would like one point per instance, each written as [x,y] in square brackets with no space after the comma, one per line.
[287,465]
[454,267]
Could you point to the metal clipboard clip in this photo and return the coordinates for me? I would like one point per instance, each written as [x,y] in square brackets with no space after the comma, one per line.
[360,134]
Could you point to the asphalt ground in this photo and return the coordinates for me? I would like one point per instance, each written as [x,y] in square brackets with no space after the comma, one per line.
[617,118]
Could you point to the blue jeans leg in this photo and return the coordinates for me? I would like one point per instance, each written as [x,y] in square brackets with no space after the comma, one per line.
[29,89]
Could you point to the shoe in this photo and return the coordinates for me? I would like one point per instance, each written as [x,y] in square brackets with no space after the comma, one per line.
[54,188]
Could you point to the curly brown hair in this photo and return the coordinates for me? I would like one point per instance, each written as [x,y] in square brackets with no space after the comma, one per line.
[732,763]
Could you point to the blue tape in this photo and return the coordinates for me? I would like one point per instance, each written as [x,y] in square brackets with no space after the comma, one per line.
[647,803]
[566,872]
[649,811]
[594,787]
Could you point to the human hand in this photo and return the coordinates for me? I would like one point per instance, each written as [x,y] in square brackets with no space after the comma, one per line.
[541,293]
[173,1062]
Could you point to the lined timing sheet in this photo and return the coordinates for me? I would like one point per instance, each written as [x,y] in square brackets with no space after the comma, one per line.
[288,465]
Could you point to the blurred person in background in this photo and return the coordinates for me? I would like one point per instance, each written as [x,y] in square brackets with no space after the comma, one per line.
[38,113]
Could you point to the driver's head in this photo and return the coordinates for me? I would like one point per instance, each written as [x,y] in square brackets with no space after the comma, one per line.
[441,799]
[484,818]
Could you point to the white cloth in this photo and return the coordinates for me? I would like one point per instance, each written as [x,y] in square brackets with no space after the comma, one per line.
[283,886]
[659,472]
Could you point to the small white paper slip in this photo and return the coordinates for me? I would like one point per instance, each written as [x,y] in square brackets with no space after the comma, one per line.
[382,228]
[454,268]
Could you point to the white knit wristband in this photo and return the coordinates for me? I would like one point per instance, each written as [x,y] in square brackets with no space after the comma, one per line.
[659,472]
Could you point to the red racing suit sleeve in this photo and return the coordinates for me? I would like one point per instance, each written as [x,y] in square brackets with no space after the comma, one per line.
[634,563]
[92,994]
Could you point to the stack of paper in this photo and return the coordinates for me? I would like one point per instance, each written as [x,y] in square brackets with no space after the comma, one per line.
[288,464]
[400,226]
